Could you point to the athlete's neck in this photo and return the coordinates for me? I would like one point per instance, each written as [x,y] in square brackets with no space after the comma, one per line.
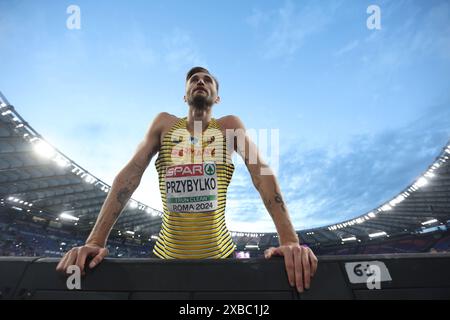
[196,115]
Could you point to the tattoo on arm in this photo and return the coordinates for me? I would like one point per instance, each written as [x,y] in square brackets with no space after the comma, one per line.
[279,200]
[116,214]
[123,195]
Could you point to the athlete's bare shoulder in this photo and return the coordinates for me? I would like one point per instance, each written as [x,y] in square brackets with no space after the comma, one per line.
[230,122]
[166,119]
[165,122]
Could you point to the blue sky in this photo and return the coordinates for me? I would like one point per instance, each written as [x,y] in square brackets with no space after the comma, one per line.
[361,113]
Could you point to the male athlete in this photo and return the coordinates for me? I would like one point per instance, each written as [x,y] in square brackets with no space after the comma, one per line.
[194,169]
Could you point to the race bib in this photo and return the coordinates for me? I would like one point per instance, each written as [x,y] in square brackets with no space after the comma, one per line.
[192,187]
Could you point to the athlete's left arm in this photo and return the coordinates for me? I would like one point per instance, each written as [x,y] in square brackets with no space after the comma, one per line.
[300,261]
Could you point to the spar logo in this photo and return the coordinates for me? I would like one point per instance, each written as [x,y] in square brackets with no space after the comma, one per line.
[210,169]
[187,170]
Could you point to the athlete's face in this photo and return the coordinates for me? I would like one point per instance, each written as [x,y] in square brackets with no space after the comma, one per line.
[201,91]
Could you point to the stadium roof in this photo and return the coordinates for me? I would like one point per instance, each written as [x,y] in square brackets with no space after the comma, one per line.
[423,206]
[38,179]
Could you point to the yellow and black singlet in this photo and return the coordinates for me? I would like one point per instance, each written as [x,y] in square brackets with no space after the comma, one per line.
[194,173]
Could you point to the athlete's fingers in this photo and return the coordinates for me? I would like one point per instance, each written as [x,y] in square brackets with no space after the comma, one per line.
[272,251]
[71,258]
[306,268]
[60,266]
[289,264]
[83,253]
[298,265]
[99,257]
[314,262]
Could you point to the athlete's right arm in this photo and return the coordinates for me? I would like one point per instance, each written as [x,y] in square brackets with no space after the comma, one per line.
[124,184]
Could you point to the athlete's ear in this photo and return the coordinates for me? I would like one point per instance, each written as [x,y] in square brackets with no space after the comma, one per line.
[217,100]
[184,98]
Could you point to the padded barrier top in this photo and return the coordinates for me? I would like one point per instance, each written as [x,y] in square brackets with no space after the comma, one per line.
[390,276]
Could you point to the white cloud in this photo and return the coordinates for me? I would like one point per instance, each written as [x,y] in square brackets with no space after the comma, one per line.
[245,207]
[257,18]
[181,52]
[285,30]
[347,48]
[135,50]
[240,179]
[424,33]
[177,49]
[248,214]
[253,226]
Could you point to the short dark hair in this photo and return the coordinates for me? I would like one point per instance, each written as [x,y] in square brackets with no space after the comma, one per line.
[194,70]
